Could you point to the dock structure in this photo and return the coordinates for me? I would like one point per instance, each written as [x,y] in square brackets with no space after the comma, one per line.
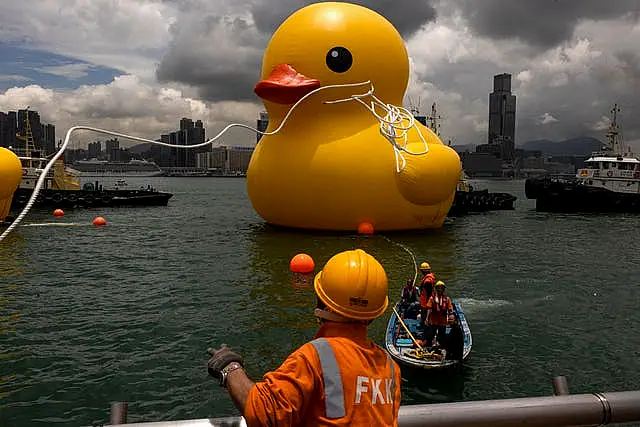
[560,410]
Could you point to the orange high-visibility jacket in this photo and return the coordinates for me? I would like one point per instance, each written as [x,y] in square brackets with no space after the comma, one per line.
[339,379]
[427,282]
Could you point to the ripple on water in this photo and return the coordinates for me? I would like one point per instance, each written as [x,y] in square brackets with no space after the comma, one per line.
[126,312]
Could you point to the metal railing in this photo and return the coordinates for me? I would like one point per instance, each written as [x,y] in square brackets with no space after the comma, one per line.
[560,410]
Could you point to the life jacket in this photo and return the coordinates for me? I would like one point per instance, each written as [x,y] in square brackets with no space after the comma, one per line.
[338,379]
[440,303]
[409,294]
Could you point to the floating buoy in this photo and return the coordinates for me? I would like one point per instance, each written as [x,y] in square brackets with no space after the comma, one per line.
[365,228]
[58,213]
[302,263]
[99,221]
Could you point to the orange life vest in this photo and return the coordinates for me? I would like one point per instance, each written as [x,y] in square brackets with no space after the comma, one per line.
[440,309]
[338,379]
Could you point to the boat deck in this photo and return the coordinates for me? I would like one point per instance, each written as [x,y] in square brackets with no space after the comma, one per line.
[403,349]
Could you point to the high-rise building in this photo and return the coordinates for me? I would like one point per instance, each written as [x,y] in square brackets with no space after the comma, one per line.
[94,149]
[8,129]
[14,123]
[262,124]
[112,148]
[502,117]
[49,139]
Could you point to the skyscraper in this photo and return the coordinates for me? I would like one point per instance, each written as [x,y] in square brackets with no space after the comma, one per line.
[502,116]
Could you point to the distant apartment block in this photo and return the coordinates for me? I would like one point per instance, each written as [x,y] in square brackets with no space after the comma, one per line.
[225,160]
[13,131]
[190,133]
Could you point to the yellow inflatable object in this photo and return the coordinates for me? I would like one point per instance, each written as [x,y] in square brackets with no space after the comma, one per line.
[10,177]
[330,167]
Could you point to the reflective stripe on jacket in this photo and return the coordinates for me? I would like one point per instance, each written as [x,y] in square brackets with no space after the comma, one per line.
[338,379]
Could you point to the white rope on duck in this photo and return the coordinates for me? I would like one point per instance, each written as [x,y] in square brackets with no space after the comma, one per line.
[391,126]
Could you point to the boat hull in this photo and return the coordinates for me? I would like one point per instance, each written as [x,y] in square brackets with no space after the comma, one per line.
[87,199]
[398,348]
[570,196]
[467,202]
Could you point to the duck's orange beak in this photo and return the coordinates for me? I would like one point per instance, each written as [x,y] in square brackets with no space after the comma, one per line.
[285,85]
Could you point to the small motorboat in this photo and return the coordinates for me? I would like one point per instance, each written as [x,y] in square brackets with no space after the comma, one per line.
[120,183]
[404,337]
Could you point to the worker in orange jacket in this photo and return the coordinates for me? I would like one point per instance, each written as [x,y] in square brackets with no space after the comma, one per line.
[341,378]
[426,290]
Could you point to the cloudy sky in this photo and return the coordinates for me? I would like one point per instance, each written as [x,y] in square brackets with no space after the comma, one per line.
[138,66]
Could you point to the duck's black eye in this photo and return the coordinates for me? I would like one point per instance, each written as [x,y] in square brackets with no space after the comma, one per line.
[339,59]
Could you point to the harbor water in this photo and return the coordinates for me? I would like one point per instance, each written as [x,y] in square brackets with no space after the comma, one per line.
[125,312]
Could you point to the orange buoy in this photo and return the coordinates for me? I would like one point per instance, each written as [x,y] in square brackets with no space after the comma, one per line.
[99,221]
[365,228]
[302,263]
[58,213]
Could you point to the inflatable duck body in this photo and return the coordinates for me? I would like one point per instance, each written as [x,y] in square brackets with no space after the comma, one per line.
[10,177]
[330,167]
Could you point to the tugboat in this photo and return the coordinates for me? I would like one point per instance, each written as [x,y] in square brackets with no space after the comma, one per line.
[61,187]
[467,200]
[608,183]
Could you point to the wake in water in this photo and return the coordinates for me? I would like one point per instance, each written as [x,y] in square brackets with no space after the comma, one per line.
[472,305]
[55,224]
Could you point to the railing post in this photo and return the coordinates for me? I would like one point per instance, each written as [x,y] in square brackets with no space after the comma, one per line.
[560,386]
[118,413]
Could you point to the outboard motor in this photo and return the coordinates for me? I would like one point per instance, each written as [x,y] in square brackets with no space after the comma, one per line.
[455,342]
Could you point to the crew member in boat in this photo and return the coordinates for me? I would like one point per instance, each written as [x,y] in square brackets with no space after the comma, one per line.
[426,290]
[340,378]
[409,303]
[439,313]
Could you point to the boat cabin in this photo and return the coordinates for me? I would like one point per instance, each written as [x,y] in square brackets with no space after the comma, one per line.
[627,168]
[32,167]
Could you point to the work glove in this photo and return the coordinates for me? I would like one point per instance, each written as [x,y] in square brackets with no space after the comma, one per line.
[220,358]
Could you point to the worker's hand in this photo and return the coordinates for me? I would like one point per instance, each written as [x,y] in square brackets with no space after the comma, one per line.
[220,358]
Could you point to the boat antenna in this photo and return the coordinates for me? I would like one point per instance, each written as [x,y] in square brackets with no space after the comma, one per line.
[433,120]
[613,133]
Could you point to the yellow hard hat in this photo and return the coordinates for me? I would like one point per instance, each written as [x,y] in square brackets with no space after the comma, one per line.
[354,285]
[440,283]
[425,266]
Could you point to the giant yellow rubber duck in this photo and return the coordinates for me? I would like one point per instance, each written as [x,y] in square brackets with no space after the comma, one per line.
[330,167]
[10,177]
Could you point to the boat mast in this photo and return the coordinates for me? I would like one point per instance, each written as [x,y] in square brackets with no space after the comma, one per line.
[30,145]
[433,120]
[613,133]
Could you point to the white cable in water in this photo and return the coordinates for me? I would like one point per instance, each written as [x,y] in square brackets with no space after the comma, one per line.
[391,127]
[415,263]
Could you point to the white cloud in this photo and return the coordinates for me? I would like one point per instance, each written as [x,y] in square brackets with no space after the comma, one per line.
[71,71]
[602,124]
[127,35]
[131,106]
[562,89]
[13,78]
[547,118]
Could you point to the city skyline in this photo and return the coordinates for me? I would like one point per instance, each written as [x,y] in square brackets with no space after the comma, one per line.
[567,70]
